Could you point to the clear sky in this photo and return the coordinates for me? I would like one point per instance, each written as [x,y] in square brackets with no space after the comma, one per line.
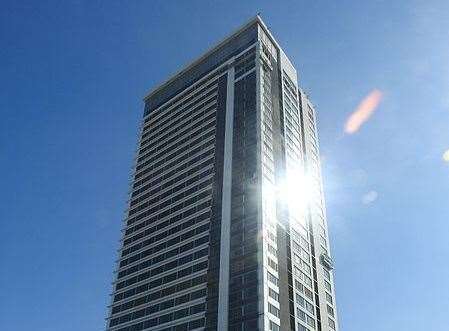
[72,78]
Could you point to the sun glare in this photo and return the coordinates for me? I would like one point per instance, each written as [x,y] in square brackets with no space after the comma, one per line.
[296,190]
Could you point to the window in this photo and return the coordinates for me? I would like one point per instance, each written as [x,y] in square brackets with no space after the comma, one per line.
[311,321]
[300,300]
[327,285]
[305,255]
[301,315]
[167,304]
[329,298]
[272,250]
[322,230]
[273,279]
[273,310]
[197,308]
[272,264]
[330,310]
[308,293]
[306,268]
[331,323]
[327,274]
[165,318]
[309,308]
[273,294]
[196,324]
[323,241]
[307,280]
[304,243]
[274,326]
[272,236]
[181,313]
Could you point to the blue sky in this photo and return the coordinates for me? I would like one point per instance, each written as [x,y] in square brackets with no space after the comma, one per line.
[72,77]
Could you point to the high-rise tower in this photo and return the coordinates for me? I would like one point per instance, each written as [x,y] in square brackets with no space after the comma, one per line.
[226,227]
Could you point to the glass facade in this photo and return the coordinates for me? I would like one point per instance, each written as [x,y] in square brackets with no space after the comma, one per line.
[226,226]
[243,260]
[163,271]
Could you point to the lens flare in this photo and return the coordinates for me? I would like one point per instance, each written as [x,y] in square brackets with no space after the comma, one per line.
[364,111]
[446,156]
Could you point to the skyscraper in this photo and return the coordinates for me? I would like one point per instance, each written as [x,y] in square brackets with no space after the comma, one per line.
[226,227]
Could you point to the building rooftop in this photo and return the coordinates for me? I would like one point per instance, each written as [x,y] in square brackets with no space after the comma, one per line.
[252,22]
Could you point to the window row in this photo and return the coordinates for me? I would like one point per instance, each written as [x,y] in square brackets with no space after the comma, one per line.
[173,134]
[289,83]
[161,293]
[158,295]
[160,236]
[171,317]
[305,304]
[178,155]
[167,235]
[160,224]
[183,98]
[291,108]
[165,180]
[304,265]
[196,198]
[185,221]
[163,268]
[159,307]
[184,190]
[164,110]
[163,257]
[180,214]
[188,139]
[174,276]
[176,115]
[301,275]
[304,290]
[245,62]
[169,170]
[305,318]
[245,67]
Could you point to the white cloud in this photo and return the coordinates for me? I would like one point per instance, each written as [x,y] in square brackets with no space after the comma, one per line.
[369,197]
